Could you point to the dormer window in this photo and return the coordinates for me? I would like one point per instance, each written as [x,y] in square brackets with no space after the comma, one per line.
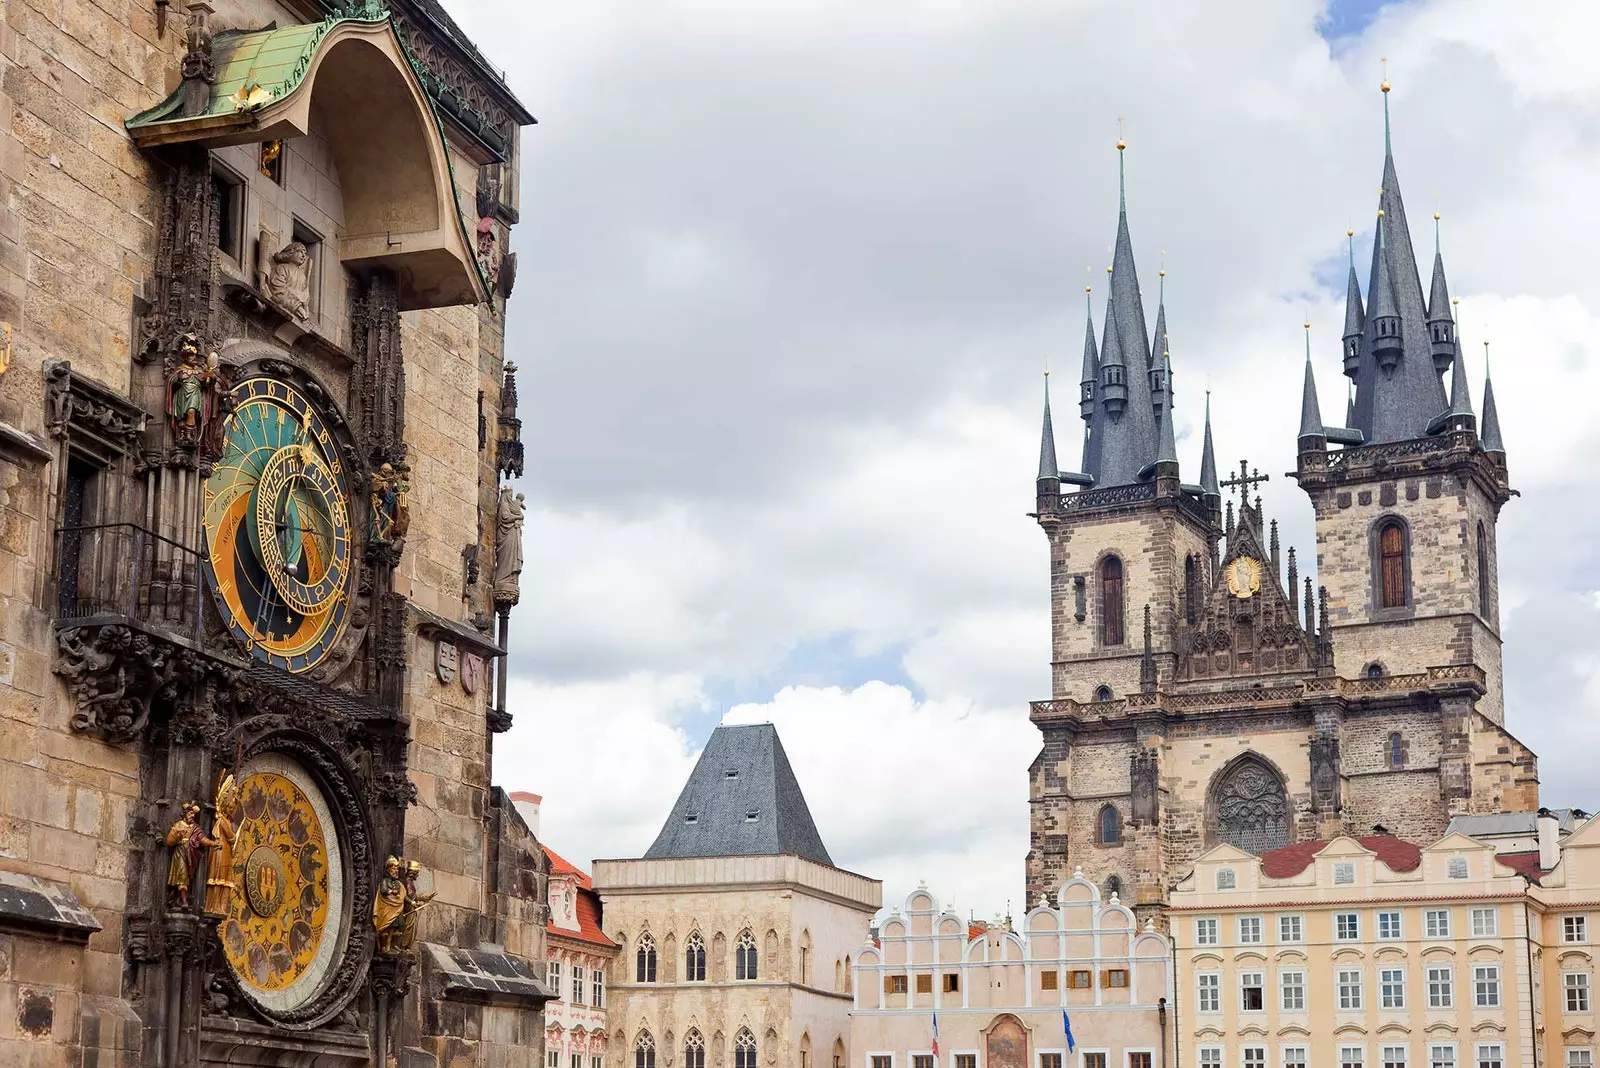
[752,815]
[691,817]
[1227,879]
[731,773]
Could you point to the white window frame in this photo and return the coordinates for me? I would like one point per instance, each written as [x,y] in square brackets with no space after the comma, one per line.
[1448,1049]
[1205,925]
[1299,929]
[976,1056]
[1338,927]
[1575,925]
[1303,1052]
[1385,1062]
[1285,974]
[1260,984]
[1207,1056]
[1493,982]
[1259,931]
[1436,923]
[1344,873]
[1227,879]
[1128,1054]
[1448,989]
[1339,990]
[871,1053]
[1491,929]
[1457,868]
[1038,1057]
[1343,1049]
[1577,1056]
[597,988]
[1581,988]
[1399,925]
[1244,1053]
[579,984]
[555,978]
[1499,1054]
[1201,989]
[552,1058]
[1396,1001]
[1085,1054]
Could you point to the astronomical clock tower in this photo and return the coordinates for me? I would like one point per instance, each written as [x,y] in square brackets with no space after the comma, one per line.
[260,552]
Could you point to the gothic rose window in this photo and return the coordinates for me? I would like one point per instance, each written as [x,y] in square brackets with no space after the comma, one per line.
[1111,602]
[1252,810]
[1392,565]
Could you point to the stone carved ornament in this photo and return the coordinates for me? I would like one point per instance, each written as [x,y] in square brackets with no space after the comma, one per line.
[285,275]
[508,547]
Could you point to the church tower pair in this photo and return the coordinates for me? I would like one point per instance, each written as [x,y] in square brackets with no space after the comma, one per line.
[1200,694]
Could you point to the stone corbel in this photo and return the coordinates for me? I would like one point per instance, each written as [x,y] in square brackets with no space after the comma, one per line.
[117,675]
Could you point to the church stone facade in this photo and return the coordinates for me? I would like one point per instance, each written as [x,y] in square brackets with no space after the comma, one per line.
[257,564]
[1205,688]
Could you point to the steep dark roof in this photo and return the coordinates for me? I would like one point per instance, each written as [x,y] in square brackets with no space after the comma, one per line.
[742,799]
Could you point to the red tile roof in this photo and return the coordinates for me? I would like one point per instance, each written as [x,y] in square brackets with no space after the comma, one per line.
[1292,860]
[1523,864]
[587,905]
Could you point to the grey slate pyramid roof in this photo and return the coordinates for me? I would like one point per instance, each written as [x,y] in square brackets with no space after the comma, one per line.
[742,799]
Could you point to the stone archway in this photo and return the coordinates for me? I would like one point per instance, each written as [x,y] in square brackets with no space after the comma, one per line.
[1248,806]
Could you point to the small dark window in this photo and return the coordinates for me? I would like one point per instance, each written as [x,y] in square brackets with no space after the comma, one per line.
[694,959]
[644,1051]
[1374,670]
[1397,750]
[1102,693]
[227,204]
[1391,565]
[77,514]
[744,956]
[691,817]
[730,774]
[645,966]
[1114,885]
[272,160]
[1110,826]
[1483,572]
[1111,631]
[1191,590]
[313,243]
[952,983]
[752,816]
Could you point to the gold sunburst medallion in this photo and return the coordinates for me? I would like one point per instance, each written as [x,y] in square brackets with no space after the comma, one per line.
[1244,577]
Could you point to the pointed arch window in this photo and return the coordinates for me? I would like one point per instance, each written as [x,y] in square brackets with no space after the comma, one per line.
[1191,590]
[1111,615]
[1391,564]
[1249,807]
[744,957]
[744,1049]
[1110,830]
[645,968]
[644,1051]
[1483,572]
[694,1049]
[1397,750]
[694,959]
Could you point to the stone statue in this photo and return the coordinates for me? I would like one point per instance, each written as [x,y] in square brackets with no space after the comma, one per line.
[219,864]
[186,839]
[487,256]
[389,906]
[189,394]
[508,547]
[391,513]
[287,277]
[413,904]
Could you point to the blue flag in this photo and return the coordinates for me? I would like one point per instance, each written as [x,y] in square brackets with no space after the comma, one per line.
[1066,1025]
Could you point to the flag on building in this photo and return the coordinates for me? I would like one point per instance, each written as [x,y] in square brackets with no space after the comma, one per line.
[1066,1025]
[936,1037]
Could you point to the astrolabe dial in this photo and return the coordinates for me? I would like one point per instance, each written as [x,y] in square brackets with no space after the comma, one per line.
[277,523]
[1244,577]
[283,925]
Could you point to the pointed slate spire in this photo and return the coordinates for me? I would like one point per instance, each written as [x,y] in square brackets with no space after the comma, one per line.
[1090,377]
[1160,380]
[1460,395]
[1491,415]
[1441,326]
[1350,405]
[1355,316]
[1167,444]
[1312,434]
[1048,468]
[1208,459]
[1387,344]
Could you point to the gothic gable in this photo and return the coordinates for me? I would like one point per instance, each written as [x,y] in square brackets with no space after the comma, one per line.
[1247,624]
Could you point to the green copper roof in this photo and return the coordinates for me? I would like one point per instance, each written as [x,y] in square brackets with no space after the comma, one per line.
[257,68]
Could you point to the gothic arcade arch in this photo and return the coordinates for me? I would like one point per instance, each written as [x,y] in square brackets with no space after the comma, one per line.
[1247,805]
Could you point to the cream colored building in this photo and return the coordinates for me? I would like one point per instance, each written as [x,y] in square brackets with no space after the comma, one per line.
[1369,952]
[999,994]
[735,926]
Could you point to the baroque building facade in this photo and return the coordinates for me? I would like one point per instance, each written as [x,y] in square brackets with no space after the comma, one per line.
[258,562]
[1200,693]
[736,927]
[580,962]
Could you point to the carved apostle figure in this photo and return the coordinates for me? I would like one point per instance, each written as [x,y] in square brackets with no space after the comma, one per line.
[288,280]
[186,839]
[508,547]
[188,391]
[391,514]
[388,906]
[414,902]
[219,862]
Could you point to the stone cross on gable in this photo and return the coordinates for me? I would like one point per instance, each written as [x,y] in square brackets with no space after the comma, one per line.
[1246,479]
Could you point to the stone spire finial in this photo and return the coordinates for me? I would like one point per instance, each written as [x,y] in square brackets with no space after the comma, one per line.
[1491,415]
[1312,434]
[1049,470]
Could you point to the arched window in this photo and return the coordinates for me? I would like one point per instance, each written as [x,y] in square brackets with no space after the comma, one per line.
[1248,807]
[744,1048]
[1483,572]
[1102,693]
[1374,670]
[1114,886]
[849,977]
[805,957]
[694,959]
[1110,826]
[1111,632]
[1391,565]
[644,1051]
[1191,590]
[694,1050]
[645,968]
[1397,750]
[744,957]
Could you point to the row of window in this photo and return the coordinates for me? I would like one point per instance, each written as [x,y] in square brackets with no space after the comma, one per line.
[552,1059]
[1049,979]
[694,959]
[1437,1055]
[1350,985]
[1483,922]
[596,990]
[1084,1059]
[694,1050]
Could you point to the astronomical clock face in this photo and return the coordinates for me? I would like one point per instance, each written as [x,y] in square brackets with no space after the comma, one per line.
[1244,577]
[283,928]
[277,520]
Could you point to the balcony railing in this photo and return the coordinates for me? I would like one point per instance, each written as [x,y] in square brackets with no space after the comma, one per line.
[120,569]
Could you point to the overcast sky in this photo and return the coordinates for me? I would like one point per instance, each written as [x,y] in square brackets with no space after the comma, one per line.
[790,271]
